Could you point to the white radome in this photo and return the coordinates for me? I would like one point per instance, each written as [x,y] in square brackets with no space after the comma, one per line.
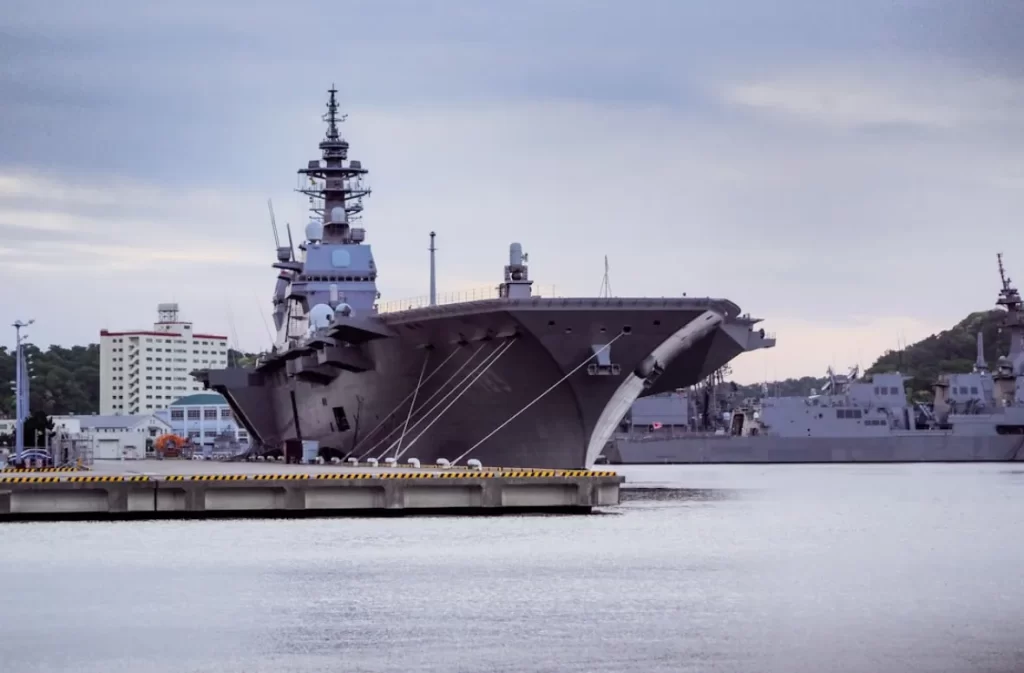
[320,316]
[314,231]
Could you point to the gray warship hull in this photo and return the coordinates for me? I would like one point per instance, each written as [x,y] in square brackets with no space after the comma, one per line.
[509,382]
[910,448]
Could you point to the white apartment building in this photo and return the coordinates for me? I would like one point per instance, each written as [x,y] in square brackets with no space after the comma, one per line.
[144,371]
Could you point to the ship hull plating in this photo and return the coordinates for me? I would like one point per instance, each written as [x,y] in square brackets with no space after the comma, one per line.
[493,381]
[915,448]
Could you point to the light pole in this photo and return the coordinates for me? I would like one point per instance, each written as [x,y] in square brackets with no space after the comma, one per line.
[20,391]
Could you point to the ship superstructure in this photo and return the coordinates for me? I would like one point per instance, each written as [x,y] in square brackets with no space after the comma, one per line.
[975,416]
[514,380]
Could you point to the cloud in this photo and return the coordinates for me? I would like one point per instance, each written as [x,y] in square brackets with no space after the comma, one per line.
[936,98]
[810,160]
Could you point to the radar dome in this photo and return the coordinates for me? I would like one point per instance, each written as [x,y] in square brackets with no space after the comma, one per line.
[320,316]
[344,310]
[314,231]
[338,215]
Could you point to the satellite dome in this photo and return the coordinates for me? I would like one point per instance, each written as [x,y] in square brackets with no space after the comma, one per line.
[314,231]
[338,215]
[344,310]
[320,316]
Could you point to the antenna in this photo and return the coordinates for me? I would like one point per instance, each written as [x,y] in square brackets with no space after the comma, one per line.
[266,325]
[332,117]
[433,271]
[273,223]
[606,284]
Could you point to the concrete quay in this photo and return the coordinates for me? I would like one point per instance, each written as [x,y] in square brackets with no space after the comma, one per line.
[203,489]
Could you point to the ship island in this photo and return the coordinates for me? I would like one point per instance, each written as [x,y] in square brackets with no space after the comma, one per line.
[514,380]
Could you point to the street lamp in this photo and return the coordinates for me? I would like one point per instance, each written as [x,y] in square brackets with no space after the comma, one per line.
[20,391]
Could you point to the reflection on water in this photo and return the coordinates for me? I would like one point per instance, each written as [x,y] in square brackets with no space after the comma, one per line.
[665,494]
[703,568]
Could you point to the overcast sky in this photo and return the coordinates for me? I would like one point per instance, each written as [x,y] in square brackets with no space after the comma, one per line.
[845,170]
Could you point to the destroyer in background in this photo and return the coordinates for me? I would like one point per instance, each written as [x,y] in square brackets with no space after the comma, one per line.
[977,416]
[517,380]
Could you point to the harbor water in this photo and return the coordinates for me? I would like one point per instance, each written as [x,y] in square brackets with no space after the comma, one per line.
[852,568]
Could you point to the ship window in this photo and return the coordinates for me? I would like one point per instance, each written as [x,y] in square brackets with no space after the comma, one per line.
[657,323]
[974,390]
[341,419]
[840,413]
[856,413]
[894,391]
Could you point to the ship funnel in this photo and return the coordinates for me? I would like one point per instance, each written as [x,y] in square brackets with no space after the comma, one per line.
[979,363]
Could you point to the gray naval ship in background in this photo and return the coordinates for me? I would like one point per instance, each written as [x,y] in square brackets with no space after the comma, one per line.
[517,380]
[976,416]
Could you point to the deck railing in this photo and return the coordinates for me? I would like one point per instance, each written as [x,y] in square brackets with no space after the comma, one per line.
[477,294]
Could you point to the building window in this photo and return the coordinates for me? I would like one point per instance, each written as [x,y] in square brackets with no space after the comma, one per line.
[210,414]
[193,414]
[177,414]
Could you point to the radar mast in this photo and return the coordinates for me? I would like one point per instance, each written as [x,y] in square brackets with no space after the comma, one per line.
[334,183]
[1010,299]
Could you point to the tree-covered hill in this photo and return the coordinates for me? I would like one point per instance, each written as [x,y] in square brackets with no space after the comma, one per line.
[62,380]
[952,351]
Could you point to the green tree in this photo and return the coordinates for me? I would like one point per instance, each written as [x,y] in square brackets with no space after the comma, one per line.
[38,428]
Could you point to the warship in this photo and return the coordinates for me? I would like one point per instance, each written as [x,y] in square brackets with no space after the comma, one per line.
[975,416]
[513,380]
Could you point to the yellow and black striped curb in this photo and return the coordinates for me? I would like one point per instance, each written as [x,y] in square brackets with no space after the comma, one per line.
[42,469]
[54,480]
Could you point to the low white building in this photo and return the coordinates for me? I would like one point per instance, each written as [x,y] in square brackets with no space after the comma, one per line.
[114,437]
[203,417]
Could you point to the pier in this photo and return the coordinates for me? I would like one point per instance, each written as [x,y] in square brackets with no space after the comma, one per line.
[204,489]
